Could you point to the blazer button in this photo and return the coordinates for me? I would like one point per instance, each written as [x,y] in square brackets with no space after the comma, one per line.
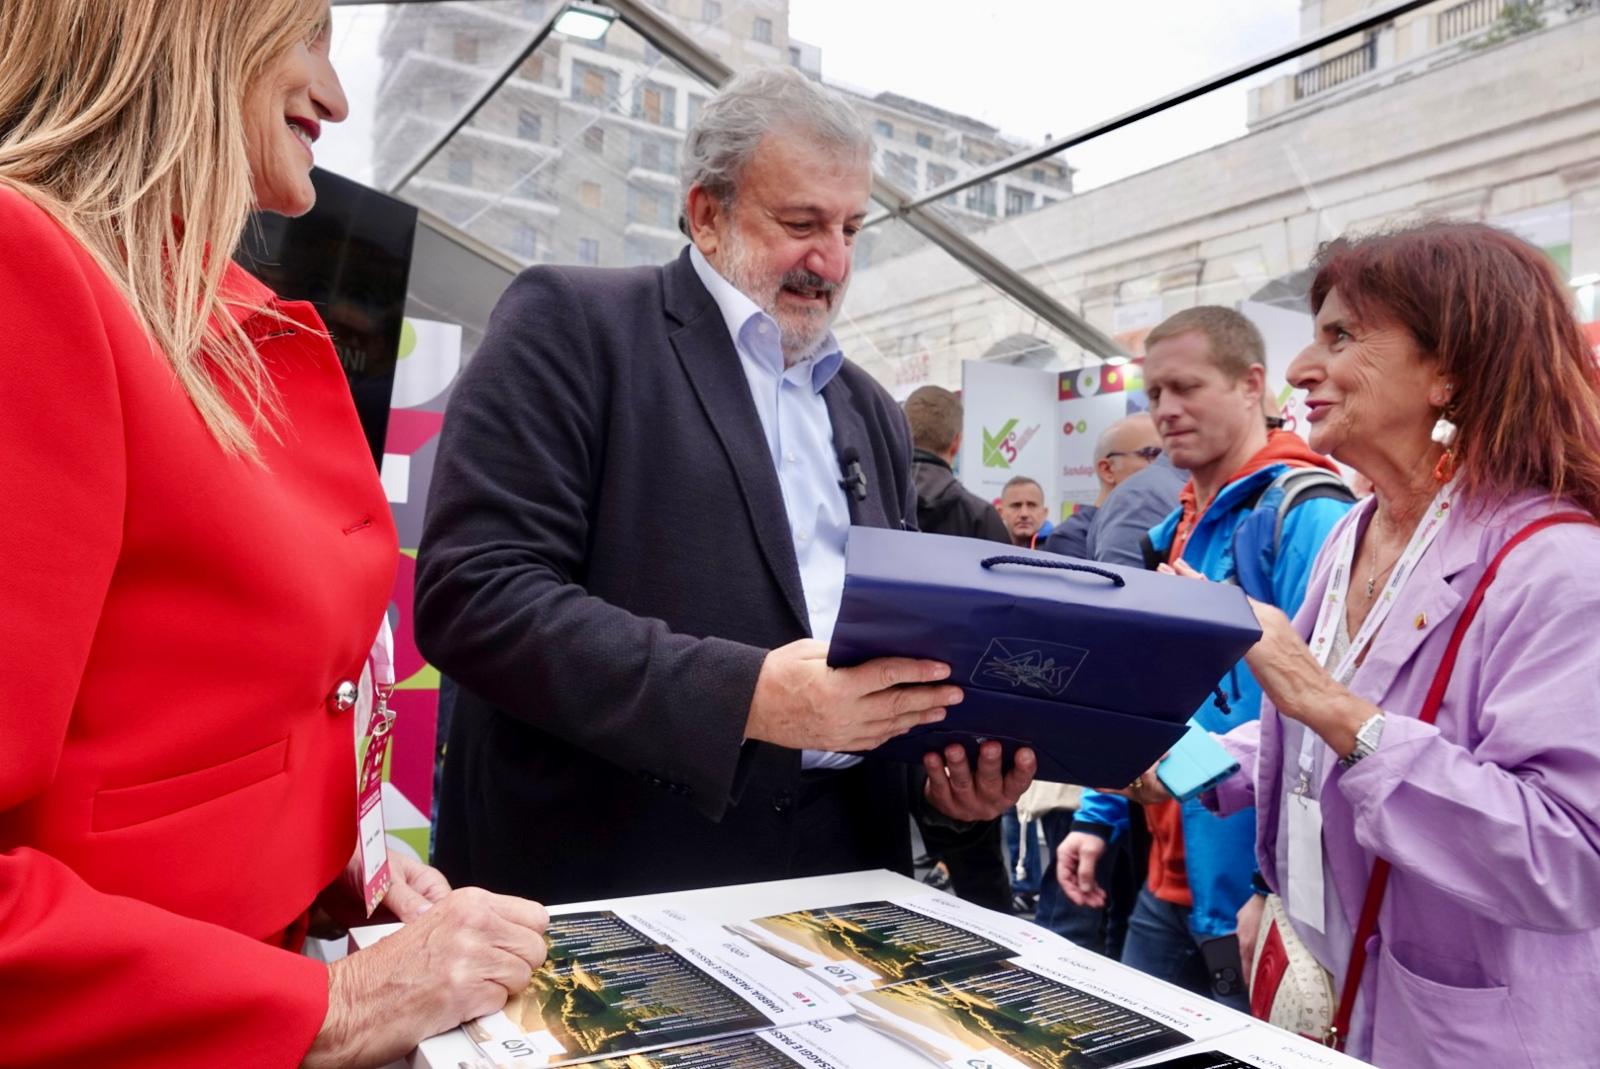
[343,698]
[781,803]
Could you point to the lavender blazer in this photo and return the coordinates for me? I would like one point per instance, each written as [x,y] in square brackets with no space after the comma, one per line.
[1488,945]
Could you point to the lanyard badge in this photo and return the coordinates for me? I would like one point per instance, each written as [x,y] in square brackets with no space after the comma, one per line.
[1305,885]
[374,723]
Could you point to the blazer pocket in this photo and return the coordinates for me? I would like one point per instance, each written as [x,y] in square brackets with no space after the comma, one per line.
[123,807]
[1454,1026]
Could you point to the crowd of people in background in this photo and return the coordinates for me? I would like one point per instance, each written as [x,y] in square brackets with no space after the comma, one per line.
[632,564]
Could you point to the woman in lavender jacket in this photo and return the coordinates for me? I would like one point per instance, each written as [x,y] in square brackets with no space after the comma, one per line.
[1488,944]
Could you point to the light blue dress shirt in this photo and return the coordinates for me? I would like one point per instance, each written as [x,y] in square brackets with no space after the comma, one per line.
[800,440]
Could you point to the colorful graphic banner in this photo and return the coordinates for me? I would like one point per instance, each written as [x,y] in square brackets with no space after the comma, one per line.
[430,360]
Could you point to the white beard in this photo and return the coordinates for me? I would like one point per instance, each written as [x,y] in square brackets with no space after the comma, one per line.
[799,336]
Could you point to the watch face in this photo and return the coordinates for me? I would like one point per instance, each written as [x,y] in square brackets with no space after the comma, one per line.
[1370,733]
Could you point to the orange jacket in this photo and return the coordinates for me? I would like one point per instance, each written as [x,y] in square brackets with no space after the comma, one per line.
[174,788]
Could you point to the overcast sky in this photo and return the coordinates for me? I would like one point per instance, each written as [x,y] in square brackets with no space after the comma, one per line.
[1039,68]
[1033,68]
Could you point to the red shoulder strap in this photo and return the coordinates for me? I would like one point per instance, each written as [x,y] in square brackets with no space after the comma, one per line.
[1368,924]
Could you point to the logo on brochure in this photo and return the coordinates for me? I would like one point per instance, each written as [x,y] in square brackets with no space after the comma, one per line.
[804,999]
[1025,665]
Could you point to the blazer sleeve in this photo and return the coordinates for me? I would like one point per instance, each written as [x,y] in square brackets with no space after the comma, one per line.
[1522,796]
[500,601]
[92,978]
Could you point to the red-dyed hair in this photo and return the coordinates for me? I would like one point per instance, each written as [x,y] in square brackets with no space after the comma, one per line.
[1493,311]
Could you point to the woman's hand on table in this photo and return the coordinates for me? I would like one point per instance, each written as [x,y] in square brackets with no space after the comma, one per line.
[414,887]
[461,958]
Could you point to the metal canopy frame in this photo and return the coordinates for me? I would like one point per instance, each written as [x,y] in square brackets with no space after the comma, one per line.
[673,42]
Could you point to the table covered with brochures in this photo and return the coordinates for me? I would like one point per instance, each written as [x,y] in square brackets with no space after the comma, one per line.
[863,970]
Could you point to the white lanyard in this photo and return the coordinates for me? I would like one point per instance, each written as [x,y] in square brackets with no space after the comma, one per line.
[1333,608]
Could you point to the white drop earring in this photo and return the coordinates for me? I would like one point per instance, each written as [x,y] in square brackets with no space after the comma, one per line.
[1444,434]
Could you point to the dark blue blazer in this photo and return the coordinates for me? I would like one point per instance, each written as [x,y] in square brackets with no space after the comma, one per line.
[605,562]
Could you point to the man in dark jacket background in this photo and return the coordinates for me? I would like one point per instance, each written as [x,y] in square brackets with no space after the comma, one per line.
[977,870]
[944,506]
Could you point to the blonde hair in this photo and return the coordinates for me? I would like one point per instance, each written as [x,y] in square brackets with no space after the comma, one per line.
[124,120]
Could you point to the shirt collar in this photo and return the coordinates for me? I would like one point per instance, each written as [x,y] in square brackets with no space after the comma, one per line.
[744,318]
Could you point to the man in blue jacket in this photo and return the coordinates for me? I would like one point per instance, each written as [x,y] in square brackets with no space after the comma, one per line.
[1205,371]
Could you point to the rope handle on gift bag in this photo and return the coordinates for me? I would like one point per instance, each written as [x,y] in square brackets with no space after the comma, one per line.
[1065,565]
[1367,926]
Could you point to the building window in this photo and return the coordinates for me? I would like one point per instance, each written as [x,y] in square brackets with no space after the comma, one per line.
[924,140]
[653,154]
[1039,174]
[1018,201]
[655,104]
[649,207]
[466,48]
[794,56]
[530,125]
[588,251]
[940,175]
[594,139]
[711,10]
[696,102]
[589,195]
[762,31]
[461,170]
[980,198]
[883,129]
[900,169]
[533,68]
[594,85]
[525,241]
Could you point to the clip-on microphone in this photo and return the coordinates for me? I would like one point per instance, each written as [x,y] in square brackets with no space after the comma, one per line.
[854,482]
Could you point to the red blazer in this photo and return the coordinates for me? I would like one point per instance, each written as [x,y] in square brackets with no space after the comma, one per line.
[174,788]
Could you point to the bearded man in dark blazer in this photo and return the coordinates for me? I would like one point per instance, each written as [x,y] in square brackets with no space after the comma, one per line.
[634,550]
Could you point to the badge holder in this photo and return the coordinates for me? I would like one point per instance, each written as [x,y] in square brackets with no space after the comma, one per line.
[372,748]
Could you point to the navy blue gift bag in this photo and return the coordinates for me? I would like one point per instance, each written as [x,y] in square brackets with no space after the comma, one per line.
[1095,666]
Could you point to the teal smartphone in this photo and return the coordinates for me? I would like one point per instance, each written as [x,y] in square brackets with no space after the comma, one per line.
[1196,763]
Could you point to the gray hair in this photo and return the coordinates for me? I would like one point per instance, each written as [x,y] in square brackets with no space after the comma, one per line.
[724,137]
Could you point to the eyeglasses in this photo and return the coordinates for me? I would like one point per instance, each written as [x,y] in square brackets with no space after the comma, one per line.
[1149,452]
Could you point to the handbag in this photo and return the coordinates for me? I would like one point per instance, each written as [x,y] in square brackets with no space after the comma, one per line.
[1288,986]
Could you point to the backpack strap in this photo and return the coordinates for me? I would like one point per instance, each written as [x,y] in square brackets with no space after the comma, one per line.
[1257,538]
[1301,485]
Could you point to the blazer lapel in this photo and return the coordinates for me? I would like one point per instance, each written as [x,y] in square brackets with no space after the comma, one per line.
[711,364]
[850,433]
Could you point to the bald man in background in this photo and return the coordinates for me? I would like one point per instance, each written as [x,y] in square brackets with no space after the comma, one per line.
[1123,449]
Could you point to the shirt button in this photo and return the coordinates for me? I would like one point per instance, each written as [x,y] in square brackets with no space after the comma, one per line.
[343,698]
[761,328]
[804,537]
[790,457]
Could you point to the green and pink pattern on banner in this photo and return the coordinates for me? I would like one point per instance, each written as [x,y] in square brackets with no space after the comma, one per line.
[430,359]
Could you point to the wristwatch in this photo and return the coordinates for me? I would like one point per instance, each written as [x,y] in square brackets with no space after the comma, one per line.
[1367,736]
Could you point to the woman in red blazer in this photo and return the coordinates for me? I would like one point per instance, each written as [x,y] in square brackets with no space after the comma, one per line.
[195,553]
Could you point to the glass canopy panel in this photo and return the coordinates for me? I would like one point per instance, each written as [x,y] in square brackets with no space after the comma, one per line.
[900,325]
[575,158]
[409,70]
[1477,110]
